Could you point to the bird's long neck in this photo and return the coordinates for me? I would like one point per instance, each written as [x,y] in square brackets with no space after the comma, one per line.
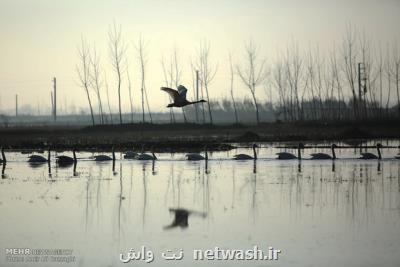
[48,156]
[113,154]
[299,152]
[74,153]
[254,152]
[3,155]
[379,153]
[154,155]
[195,102]
[333,152]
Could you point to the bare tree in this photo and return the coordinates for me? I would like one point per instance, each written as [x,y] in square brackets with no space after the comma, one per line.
[232,74]
[83,71]
[108,98]
[279,82]
[172,76]
[168,80]
[253,74]
[141,46]
[349,54]
[396,73]
[337,80]
[177,76]
[130,91]
[96,82]
[117,48]
[207,72]
[389,72]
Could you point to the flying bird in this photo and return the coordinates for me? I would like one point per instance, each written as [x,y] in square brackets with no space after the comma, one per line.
[179,97]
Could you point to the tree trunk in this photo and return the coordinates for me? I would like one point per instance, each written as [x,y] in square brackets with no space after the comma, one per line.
[90,104]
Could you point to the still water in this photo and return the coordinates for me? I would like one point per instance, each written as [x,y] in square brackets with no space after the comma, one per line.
[318,213]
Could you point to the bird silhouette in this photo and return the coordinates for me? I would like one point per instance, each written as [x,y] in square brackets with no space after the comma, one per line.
[105,157]
[245,156]
[287,155]
[324,155]
[368,155]
[144,156]
[181,217]
[66,160]
[179,97]
[130,154]
[39,159]
[196,156]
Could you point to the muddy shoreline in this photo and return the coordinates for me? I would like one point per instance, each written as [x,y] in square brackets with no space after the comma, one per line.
[183,137]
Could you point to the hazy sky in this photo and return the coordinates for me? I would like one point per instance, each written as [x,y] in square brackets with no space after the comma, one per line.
[38,38]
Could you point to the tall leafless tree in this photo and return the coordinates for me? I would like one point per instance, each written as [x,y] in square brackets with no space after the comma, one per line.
[96,80]
[253,74]
[232,75]
[396,73]
[167,68]
[141,50]
[83,71]
[207,72]
[130,91]
[349,54]
[108,98]
[117,48]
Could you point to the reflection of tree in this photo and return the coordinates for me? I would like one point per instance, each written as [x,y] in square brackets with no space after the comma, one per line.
[3,170]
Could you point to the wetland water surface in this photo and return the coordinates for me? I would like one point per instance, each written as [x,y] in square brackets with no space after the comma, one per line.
[318,213]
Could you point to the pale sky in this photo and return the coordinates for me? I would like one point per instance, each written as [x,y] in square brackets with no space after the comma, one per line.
[39,38]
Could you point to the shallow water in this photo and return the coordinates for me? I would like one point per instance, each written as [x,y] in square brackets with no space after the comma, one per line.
[318,213]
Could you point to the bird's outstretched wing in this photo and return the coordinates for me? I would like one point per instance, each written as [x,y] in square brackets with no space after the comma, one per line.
[173,93]
[182,90]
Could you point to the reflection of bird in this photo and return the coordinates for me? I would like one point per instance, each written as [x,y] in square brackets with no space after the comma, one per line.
[105,157]
[196,156]
[130,154]
[39,159]
[182,216]
[245,156]
[66,160]
[371,155]
[324,155]
[287,155]
[179,97]
[3,156]
[145,156]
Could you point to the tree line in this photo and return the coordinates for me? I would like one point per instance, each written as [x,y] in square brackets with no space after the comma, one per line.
[355,80]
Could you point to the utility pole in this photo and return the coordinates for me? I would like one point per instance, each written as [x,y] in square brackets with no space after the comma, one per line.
[16,105]
[55,98]
[197,95]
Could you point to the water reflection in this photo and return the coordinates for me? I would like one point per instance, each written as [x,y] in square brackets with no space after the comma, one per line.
[342,204]
[181,217]
[3,171]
